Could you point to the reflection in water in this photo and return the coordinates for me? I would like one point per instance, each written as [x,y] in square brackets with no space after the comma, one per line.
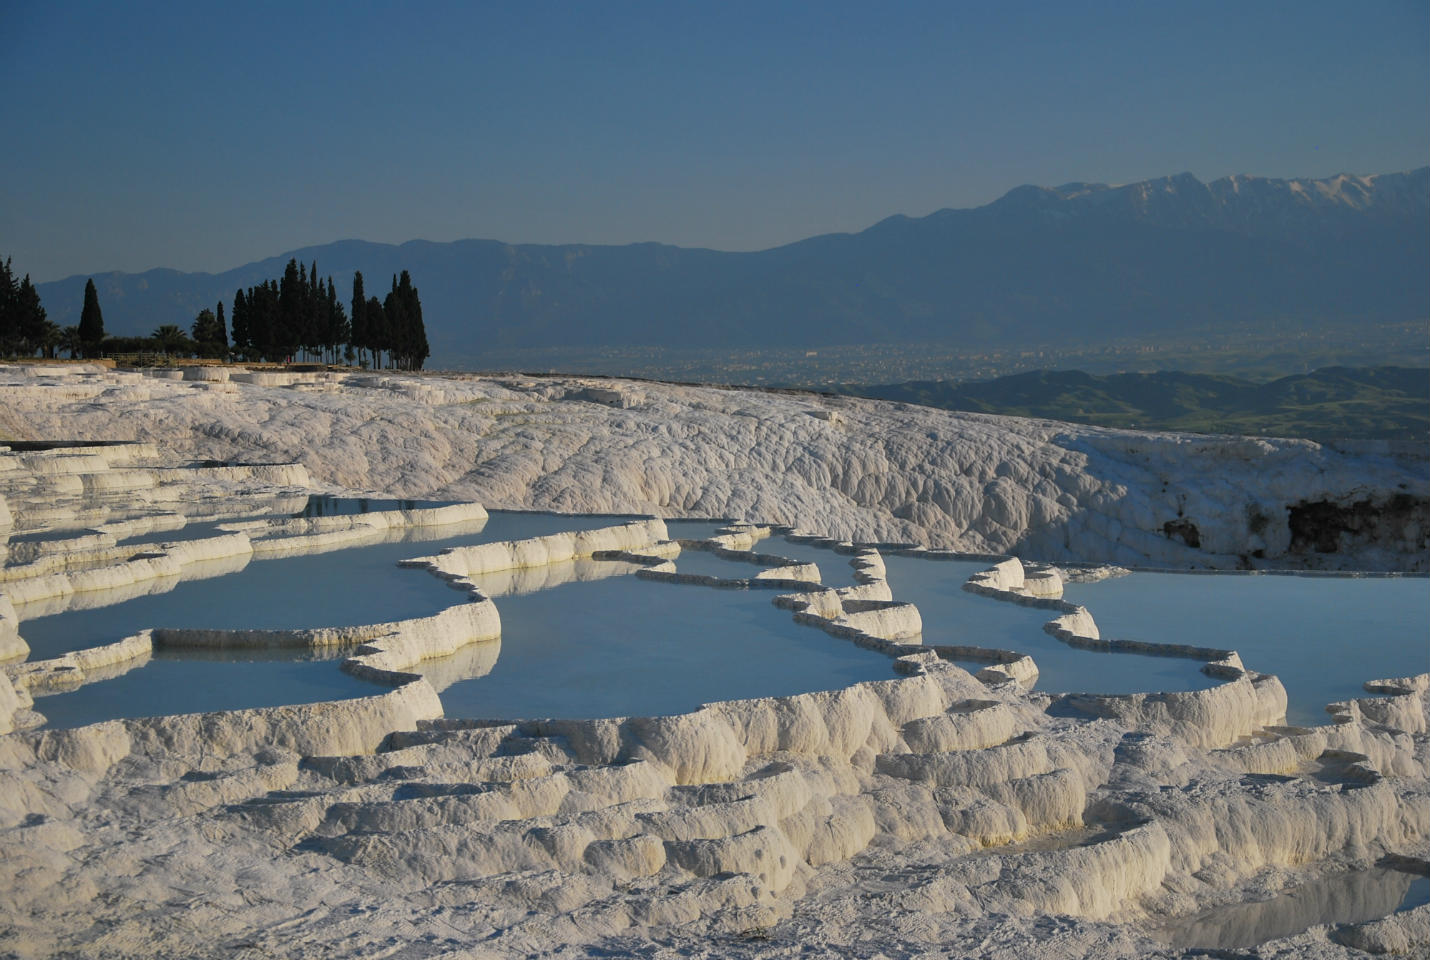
[706,564]
[524,580]
[1354,897]
[94,599]
[469,663]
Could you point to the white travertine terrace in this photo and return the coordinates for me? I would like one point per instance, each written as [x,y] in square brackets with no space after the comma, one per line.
[877,471]
[932,813]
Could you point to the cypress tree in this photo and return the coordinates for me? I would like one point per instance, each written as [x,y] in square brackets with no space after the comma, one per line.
[359,317]
[418,350]
[338,329]
[9,317]
[376,331]
[34,327]
[221,332]
[292,307]
[91,322]
[240,324]
[313,319]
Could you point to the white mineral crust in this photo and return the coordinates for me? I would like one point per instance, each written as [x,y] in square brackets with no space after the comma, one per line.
[877,471]
[930,814]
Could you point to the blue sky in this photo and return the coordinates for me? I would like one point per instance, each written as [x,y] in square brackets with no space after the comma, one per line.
[206,135]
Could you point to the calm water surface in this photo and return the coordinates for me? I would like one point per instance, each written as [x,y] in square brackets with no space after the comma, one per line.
[707,564]
[952,615]
[632,647]
[834,567]
[1323,636]
[187,684]
[348,587]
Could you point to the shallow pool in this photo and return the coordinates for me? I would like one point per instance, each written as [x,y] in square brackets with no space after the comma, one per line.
[170,684]
[707,564]
[347,587]
[952,615]
[1323,636]
[694,529]
[632,647]
[1355,897]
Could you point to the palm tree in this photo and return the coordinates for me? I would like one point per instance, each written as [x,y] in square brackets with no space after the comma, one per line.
[69,340]
[170,339]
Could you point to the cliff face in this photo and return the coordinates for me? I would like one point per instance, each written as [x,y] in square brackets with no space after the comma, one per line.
[838,466]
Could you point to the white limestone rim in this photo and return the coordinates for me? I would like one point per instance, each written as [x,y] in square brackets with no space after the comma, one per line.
[459,563]
[291,527]
[712,743]
[735,542]
[147,563]
[169,559]
[354,726]
[72,670]
[1076,627]
[1364,750]
[384,651]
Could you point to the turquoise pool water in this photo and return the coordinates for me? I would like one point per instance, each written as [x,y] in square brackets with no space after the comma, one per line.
[952,615]
[1323,636]
[348,587]
[632,647]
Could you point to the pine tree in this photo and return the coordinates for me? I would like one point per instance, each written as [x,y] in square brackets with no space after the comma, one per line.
[209,336]
[91,322]
[203,330]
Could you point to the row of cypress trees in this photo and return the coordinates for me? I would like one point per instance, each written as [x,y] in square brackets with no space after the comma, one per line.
[297,315]
[301,314]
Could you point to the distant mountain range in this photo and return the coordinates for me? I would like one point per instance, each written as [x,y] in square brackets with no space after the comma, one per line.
[1076,263]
